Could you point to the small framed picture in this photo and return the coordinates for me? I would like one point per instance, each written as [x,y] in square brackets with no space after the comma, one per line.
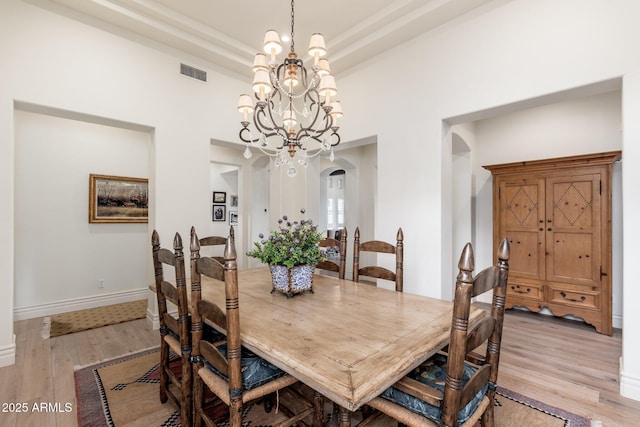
[219,213]
[234,200]
[233,218]
[219,197]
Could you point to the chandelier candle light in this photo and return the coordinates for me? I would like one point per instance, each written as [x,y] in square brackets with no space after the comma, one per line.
[294,106]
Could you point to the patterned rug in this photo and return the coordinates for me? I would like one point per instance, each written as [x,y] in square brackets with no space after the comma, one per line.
[82,320]
[124,392]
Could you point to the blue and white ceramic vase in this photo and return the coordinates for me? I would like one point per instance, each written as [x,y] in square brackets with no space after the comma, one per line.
[291,281]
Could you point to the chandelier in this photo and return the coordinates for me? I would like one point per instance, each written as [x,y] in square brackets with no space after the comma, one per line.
[293,109]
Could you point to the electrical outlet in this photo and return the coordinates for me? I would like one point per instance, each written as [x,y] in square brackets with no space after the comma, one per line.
[101,283]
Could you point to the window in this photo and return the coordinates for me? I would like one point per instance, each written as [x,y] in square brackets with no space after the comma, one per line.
[330,214]
[335,200]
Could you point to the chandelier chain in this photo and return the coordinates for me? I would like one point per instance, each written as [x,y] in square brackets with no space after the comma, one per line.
[292,23]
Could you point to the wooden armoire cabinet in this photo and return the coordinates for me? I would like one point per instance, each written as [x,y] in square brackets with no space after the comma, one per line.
[556,214]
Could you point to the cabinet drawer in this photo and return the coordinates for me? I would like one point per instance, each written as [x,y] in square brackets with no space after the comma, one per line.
[525,290]
[576,297]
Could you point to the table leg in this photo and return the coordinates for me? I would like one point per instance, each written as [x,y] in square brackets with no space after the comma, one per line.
[344,419]
[318,406]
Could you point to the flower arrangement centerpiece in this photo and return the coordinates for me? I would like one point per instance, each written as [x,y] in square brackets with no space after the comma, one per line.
[292,251]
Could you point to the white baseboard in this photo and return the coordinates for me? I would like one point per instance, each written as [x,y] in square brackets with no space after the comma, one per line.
[8,354]
[616,320]
[153,320]
[629,386]
[48,309]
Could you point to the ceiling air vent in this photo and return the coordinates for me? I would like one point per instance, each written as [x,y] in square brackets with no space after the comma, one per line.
[192,72]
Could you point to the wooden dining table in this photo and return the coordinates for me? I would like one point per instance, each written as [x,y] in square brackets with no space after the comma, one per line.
[348,341]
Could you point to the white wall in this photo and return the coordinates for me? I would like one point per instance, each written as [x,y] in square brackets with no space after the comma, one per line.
[258,206]
[59,255]
[630,361]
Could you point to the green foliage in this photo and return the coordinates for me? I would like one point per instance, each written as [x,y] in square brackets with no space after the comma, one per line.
[292,243]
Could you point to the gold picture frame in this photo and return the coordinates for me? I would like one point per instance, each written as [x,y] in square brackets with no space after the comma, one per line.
[118,199]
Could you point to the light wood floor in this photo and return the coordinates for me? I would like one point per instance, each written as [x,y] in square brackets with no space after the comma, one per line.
[564,363]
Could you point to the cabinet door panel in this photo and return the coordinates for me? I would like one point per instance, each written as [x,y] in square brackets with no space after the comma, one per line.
[572,259]
[573,229]
[526,259]
[521,201]
[521,204]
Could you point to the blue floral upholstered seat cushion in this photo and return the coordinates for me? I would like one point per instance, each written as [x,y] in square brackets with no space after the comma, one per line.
[433,373]
[255,370]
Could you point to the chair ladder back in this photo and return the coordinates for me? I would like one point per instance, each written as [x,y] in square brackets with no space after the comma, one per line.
[378,246]
[197,325]
[497,310]
[474,385]
[214,241]
[485,281]
[340,266]
[176,294]
[231,365]
[343,253]
[182,327]
[327,264]
[208,350]
[196,296]
[458,337]
[165,256]
[400,260]
[489,330]
[478,336]
[170,292]
[233,324]
[328,242]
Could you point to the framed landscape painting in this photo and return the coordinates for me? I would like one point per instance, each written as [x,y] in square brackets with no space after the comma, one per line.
[118,199]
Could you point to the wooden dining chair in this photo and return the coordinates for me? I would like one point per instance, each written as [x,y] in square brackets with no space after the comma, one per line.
[457,387]
[379,247]
[330,264]
[231,372]
[175,333]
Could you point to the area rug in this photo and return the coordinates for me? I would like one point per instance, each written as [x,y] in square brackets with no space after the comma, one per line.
[82,320]
[124,392]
